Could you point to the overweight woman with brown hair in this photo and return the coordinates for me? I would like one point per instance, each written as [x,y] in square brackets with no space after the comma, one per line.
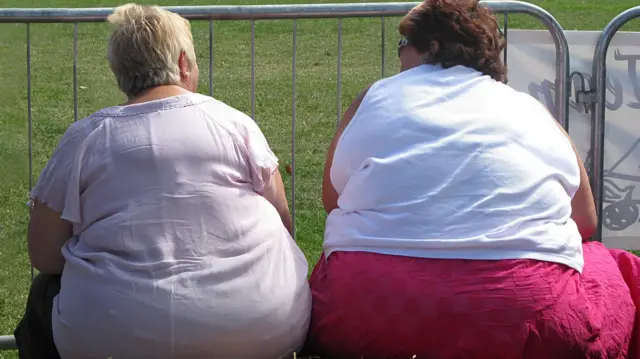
[459,214]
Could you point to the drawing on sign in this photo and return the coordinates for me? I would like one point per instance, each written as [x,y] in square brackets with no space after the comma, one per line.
[633,75]
[621,210]
[622,180]
[545,90]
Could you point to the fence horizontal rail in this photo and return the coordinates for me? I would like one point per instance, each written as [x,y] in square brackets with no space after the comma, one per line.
[216,12]
[253,12]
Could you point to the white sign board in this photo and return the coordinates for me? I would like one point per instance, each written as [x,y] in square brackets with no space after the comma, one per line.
[531,63]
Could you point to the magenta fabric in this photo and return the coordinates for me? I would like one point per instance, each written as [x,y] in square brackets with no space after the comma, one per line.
[368,305]
[629,265]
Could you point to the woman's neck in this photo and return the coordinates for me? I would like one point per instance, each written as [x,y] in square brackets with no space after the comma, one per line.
[157,93]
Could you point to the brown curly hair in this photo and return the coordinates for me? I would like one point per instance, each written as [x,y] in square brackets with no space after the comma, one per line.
[456,32]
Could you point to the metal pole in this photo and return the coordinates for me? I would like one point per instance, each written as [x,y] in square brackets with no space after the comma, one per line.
[293,127]
[339,79]
[505,33]
[211,58]
[214,12]
[383,52]
[75,71]
[253,70]
[30,119]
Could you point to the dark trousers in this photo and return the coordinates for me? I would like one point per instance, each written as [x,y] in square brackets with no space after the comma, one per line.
[34,334]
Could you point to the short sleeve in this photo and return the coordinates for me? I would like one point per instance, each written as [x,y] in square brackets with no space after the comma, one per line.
[58,184]
[262,161]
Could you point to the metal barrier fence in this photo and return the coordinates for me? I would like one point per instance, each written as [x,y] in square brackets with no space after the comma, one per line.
[597,96]
[331,11]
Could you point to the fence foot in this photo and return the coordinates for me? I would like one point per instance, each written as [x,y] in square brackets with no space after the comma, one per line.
[7,342]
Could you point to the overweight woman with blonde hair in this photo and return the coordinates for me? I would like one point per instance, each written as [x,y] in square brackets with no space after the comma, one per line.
[160,226]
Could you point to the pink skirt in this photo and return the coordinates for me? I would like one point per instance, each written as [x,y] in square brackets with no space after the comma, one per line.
[368,305]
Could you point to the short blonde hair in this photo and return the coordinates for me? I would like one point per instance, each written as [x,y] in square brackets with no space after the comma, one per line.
[145,46]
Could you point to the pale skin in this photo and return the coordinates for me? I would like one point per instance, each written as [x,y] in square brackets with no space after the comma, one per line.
[47,231]
[274,193]
[582,206]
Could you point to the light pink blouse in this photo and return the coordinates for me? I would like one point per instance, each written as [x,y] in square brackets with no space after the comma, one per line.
[174,254]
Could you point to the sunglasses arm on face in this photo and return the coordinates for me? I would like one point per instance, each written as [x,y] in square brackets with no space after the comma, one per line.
[401,44]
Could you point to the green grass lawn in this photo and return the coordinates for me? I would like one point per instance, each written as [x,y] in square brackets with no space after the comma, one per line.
[52,55]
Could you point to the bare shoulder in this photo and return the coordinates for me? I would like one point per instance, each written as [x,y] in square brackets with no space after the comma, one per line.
[353,108]
[358,100]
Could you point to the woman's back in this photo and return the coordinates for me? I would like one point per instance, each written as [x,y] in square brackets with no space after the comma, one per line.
[172,235]
[447,163]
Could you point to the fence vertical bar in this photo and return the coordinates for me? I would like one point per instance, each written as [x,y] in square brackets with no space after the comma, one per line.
[563,66]
[293,128]
[75,71]
[253,69]
[382,46]
[29,108]
[339,86]
[29,118]
[506,39]
[210,57]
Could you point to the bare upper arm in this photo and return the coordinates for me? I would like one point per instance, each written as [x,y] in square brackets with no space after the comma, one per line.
[329,194]
[57,194]
[46,234]
[274,193]
[583,208]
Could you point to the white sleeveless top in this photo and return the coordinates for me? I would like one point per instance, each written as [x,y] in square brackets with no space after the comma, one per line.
[448,163]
